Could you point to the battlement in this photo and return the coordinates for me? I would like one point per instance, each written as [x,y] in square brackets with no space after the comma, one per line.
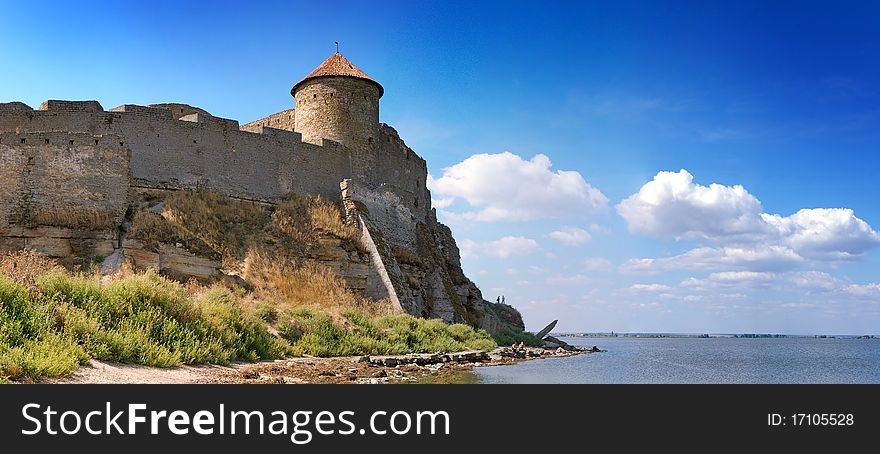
[176,146]
[15,107]
[135,109]
[71,106]
[286,119]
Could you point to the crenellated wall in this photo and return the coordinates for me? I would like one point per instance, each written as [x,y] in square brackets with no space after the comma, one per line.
[286,120]
[198,150]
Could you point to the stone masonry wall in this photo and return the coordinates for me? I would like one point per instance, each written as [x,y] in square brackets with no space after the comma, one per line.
[73,180]
[199,150]
[63,194]
[286,120]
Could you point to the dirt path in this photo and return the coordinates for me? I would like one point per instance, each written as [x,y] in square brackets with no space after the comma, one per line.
[102,372]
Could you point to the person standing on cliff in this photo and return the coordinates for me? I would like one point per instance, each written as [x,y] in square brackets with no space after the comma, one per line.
[498,300]
[502,299]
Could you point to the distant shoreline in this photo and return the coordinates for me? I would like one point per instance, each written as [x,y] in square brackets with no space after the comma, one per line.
[714,336]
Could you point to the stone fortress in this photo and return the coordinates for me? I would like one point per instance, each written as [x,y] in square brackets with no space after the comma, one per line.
[68,172]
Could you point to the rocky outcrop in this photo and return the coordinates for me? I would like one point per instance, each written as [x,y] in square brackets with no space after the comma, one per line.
[422,268]
[70,247]
[171,260]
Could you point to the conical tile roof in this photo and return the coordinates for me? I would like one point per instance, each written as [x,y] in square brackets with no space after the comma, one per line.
[338,66]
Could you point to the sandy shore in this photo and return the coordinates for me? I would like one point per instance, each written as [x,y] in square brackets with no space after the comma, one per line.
[437,368]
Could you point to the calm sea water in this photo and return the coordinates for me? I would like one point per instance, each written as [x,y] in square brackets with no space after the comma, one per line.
[691,360]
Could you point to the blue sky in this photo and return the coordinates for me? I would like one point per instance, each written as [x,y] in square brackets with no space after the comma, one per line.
[559,117]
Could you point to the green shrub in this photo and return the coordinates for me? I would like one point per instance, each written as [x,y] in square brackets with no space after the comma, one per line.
[514,337]
[317,334]
[49,356]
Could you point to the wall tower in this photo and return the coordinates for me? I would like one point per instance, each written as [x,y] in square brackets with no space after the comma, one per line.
[338,101]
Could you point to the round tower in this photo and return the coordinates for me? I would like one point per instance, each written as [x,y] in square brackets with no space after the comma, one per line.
[337,101]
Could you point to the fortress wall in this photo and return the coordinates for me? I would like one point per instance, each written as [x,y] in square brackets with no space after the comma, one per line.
[72,106]
[399,170]
[208,151]
[179,110]
[387,212]
[70,180]
[12,168]
[14,107]
[286,120]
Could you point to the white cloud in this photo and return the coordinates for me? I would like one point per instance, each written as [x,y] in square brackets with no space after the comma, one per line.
[825,233]
[504,186]
[444,202]
[807,282]
[738,277]
[501,248]
[672,206]
[649,288]
[863,290]
[571,236]
[597,264]
[760,258]
[566,279]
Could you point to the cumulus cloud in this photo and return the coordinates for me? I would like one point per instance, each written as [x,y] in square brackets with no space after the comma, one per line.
[673,206]
[506,187]
[824,233]
[501,248]
[571,236]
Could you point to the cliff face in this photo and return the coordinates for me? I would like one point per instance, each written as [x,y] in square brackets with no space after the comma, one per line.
[426,278]
[419,253]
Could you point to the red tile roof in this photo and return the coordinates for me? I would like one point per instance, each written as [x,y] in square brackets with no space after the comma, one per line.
[336,66]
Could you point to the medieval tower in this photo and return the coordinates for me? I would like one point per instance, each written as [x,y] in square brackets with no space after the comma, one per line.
[337,101]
